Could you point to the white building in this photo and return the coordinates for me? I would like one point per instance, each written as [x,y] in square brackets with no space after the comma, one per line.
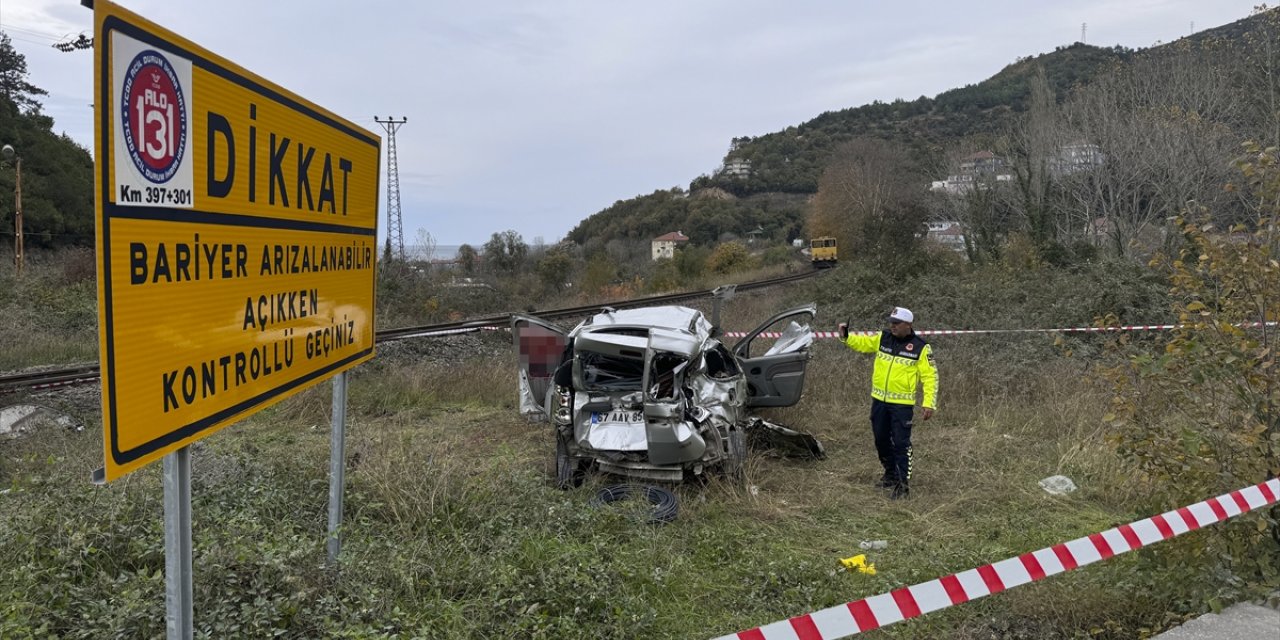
[737,168]
[664,246]
[975,169]
[1077,156]
[947,233]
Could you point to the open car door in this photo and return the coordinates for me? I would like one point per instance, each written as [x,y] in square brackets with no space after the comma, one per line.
[539,347]
[775,369]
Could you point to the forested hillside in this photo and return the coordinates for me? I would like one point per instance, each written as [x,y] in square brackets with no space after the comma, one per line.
[57,173]
[1218,78]
[792,160]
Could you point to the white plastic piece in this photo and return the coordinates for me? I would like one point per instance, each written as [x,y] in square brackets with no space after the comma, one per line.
[1058,485]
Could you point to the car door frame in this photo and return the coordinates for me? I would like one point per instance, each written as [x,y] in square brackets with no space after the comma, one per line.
[535,386]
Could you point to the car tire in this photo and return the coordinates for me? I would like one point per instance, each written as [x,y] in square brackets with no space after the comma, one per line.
[570,471]
[664,503]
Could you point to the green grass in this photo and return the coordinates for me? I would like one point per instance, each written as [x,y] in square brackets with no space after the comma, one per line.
[50,312]
[453,530]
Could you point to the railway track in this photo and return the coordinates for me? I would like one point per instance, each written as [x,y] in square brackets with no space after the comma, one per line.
[85,373]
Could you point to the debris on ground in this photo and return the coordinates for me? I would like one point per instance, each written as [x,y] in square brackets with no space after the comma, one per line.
[783,442]
[1058,485]
[25,418]
[859,563]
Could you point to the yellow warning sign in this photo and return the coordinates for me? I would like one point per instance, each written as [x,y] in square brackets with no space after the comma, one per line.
[236,243]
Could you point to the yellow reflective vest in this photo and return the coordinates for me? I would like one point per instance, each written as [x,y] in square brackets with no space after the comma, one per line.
[900,366]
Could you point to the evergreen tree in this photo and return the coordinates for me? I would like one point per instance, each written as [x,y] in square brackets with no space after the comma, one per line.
[13,78]
[57,173]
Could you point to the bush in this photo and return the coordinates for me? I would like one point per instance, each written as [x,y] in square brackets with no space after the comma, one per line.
[1202,416]
[730,257]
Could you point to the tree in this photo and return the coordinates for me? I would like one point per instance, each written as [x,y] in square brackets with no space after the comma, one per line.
[424,247]
[600,273]
[13,78]
[690,261]
[467,258]
[1161,128]
[554,269]
[871,199]
[1259,54]
[505,252]
[1036,142]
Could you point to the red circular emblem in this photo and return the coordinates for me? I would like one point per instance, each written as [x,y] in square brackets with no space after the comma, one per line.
[911,347]
[154,114]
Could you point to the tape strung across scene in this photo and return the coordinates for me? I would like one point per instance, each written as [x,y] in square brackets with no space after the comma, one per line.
[909,602]
[959,332]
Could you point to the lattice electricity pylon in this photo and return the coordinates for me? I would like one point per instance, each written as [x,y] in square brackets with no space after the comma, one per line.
[395,227]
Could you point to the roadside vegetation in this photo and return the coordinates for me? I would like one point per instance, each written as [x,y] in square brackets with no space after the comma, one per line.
[454,530]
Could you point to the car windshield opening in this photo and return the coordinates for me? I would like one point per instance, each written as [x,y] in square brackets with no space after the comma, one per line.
[664,373]
[601,372]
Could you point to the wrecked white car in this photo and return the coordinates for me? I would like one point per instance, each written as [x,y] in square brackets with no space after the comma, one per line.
[653,394]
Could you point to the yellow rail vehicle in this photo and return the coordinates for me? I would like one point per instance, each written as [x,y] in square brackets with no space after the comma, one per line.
[822,252]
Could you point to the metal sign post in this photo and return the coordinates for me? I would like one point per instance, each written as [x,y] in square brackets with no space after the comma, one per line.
[337,465]
[177,544]
[719,296]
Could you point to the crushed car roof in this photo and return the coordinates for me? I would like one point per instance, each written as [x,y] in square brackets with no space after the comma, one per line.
[666,317]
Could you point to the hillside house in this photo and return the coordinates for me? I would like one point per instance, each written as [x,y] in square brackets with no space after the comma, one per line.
[664,246]
[975,169]
[736,168]
[947,233]
[1077,156]
[983,162]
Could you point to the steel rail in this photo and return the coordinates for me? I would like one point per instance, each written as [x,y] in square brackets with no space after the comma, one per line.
[80,374]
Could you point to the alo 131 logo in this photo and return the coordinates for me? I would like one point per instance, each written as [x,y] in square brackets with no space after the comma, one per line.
[154,114]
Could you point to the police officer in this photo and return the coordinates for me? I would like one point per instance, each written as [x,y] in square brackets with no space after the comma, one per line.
[903,362]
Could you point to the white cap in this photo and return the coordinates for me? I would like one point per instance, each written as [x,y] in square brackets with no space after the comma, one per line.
[902,314]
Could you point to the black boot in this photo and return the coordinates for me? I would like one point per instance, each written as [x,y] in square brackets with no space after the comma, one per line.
[900,491]
[887,481]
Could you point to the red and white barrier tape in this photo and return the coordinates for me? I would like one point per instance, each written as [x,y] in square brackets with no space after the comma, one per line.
[959,332]
[909,602]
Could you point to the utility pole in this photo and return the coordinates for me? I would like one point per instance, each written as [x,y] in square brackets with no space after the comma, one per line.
[18,259]
[1084,26]
[395,227]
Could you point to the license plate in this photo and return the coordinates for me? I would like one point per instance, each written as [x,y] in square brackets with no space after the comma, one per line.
[624,417]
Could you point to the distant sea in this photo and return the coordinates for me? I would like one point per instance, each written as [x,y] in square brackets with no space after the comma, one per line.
[441,251]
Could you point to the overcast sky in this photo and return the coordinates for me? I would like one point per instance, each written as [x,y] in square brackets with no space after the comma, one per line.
[534,115]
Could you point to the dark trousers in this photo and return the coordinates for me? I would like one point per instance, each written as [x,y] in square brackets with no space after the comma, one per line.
[891,424]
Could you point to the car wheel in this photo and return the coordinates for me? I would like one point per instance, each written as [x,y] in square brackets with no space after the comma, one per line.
[570,471]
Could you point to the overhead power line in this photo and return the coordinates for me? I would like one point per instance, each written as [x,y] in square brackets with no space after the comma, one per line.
[80,43]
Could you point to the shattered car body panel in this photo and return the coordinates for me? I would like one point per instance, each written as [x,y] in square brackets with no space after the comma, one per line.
[652,393]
